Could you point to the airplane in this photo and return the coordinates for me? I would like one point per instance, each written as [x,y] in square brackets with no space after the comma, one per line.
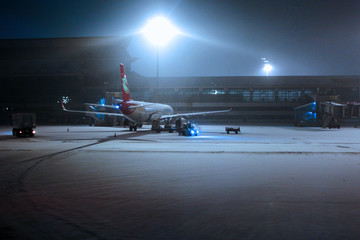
[137,112]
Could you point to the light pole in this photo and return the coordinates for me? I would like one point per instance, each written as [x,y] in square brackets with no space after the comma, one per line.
[159,31]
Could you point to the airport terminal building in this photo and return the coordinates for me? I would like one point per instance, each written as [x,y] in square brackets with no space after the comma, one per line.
[36,73]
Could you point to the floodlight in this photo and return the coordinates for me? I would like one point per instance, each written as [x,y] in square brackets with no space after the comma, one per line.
[267,68]
[159,31]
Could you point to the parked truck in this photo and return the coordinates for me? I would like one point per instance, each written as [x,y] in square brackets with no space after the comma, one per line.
[23,124]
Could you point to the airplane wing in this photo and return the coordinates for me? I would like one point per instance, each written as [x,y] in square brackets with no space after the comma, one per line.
[100,105]
[116,106]
[93,105]
[193,114]
[91,112]
[334,104]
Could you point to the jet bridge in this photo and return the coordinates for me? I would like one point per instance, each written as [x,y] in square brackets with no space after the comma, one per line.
[331,113]
[353,113]
[326,114]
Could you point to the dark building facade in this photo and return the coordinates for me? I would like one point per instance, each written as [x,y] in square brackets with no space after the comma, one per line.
[252,98]
[36,73]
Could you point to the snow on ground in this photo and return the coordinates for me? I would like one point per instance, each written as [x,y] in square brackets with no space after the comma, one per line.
[109,183]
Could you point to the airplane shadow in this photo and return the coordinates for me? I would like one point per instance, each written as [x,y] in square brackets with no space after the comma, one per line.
[96,131]
[127,136]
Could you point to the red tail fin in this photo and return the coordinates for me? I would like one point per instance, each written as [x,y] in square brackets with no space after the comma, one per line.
[124,84]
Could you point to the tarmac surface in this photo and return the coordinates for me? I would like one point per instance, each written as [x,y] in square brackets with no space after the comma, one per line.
[79,182]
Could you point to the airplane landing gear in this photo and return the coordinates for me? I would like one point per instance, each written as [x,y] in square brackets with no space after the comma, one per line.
[131,128]
[156,127]
[168,127]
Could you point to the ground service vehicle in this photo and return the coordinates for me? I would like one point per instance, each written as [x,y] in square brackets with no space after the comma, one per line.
[189,129]
[23,124]
[232,129]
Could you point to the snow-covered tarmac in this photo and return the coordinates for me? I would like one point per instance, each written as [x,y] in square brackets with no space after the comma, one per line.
[79,182]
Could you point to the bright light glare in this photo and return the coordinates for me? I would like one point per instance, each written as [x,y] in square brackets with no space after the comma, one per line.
[267,67]
[65,99]
[159,31]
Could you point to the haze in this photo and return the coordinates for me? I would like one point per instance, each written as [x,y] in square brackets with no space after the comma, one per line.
[223,38]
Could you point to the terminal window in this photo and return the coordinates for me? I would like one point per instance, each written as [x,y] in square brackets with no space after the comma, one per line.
[263,95]
[288,95]
[213,91]
[244,94]
[188,91]
[165,91]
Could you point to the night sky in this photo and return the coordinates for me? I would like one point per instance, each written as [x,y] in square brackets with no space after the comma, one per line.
[222,38]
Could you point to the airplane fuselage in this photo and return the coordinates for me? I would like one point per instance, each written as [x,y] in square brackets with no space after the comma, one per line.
[139,112]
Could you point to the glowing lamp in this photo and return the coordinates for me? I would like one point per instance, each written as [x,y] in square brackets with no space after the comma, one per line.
[159,31]
[267,68]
